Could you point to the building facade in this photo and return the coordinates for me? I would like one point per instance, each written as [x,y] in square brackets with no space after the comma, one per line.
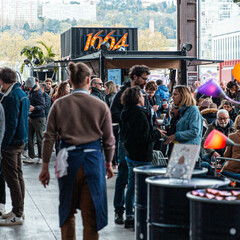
[62,11]
[226,39]
[15,12]
[210,12]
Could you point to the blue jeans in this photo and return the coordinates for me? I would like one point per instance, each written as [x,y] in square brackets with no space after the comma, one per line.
[121,181]
[131,187]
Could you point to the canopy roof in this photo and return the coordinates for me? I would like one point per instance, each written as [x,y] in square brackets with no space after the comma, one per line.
[111,60]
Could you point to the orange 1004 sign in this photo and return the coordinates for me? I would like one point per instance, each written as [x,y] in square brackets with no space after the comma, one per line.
[92,39]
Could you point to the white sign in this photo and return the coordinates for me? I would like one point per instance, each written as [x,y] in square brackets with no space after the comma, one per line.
[182,161]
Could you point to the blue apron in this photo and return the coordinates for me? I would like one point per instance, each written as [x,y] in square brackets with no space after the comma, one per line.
[94,168]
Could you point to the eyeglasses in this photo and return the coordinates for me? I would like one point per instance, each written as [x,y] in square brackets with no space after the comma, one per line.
[144,79]
[99,83]
[222,119]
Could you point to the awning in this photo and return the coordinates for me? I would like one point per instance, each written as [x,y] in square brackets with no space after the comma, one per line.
[166,59]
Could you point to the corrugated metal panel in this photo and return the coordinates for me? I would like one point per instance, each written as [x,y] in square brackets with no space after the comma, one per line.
[74,40]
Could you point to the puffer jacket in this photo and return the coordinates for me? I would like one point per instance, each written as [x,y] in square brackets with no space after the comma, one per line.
[210,114]
[162,93]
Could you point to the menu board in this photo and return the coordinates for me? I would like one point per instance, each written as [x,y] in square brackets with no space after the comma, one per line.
[115,76]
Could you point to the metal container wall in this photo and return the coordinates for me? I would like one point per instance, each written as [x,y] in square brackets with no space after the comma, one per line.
[214,220]
[168,206]
[73,40]
[141,173]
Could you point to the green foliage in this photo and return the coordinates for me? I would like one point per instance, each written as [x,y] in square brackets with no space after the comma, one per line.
[35,56]
[49,56]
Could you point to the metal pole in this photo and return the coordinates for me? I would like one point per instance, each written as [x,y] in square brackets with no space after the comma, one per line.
[101,66]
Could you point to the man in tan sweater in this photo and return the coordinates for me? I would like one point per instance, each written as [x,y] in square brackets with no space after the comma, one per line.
[81,121]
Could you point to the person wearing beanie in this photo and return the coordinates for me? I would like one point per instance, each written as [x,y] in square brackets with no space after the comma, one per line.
[30,82]
[36,119]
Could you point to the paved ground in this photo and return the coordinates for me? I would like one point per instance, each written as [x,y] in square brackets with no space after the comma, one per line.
[41,212]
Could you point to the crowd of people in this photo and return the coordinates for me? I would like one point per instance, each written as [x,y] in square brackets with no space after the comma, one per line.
[119,132]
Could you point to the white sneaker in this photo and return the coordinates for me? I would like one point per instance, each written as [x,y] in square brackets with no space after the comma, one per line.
[2,209]
[29,160]
[11,220]
[7,215]
[39,161]
[25,153]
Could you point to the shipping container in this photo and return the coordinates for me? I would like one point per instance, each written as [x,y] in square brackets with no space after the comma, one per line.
[78,41]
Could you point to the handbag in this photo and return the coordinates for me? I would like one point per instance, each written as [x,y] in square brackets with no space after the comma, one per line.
[158,158]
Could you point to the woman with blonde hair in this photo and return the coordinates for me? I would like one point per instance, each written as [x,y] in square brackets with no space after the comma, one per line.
[233,151]
[190,125]
[110,89]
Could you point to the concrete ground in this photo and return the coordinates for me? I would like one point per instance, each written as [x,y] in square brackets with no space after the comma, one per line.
[41,211]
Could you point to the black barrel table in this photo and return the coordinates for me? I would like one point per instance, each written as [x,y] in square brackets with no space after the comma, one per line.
[168,206]
[141,173]
[212,219]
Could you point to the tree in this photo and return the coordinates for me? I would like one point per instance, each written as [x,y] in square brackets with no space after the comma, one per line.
[148,41]
[11,45]
[49,56]
[34,57]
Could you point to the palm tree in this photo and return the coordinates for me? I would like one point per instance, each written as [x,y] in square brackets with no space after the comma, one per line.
[49,57]
[34,56]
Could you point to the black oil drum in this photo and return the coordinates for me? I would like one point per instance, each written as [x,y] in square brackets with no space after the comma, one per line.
[141,173]
[168,206]
[211,219]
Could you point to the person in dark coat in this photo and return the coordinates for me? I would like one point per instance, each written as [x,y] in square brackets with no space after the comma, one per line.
[229,107]
[223,124]
[110,90]
[96,87]
[138,136]
[36,120]
[138,77]
[210,113]
[46,98]
[233,92]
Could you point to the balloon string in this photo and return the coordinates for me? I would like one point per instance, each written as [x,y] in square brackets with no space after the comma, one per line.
[231,100]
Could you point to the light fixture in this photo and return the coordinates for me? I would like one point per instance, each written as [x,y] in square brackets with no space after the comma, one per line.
[92,49]
[121,49]
[104,46]
[186,47]
[217,140]
[212,89]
